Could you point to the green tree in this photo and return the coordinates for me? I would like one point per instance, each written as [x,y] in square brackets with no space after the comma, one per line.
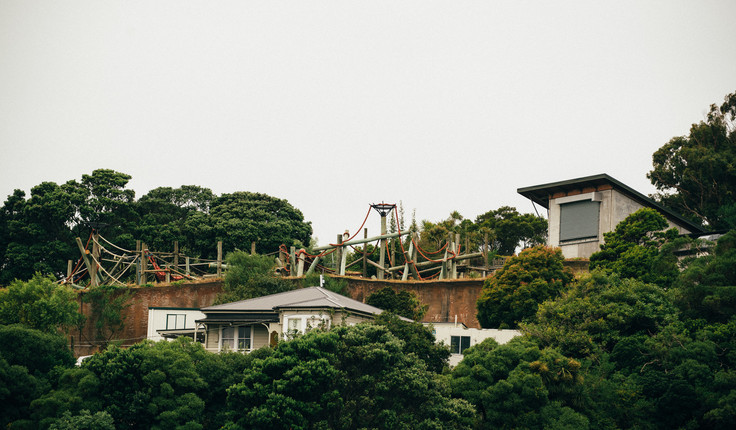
[404,303]
[514,292]
[707,288]
[511,229]
[164,212]
[250,276]
[35,234]
[28,361]
[519,385]
[418,340]
[695,174]
[84,421]
[349,377]
[41,304]
[240,218]
[107,303]
[598,311]
[635,249]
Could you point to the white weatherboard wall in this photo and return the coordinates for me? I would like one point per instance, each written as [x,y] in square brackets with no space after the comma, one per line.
[443,333]
[158,317]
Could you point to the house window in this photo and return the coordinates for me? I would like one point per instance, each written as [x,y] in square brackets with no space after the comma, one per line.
[579,220]
[175,321]
[241,336]
[458,344]
[295,324]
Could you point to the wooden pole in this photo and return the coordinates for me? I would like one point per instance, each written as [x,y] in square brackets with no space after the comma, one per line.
[339,252]
[87,264]
[176,255]
[219,259]
[96,257]
[253,248]
[300,265]
[313,265]
[292,261]
[365,253]
[186,261]
[144,263]
[68,270]
[138,263]
[382,258]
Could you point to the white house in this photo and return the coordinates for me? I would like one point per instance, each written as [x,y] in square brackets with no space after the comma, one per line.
[169,323]
[459,337]
[251,324]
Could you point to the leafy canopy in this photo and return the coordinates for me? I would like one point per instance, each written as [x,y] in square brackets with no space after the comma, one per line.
[514,292]
[249,276]
[695,174]
[41,304]
[349,377]
[404,303]
[635,249]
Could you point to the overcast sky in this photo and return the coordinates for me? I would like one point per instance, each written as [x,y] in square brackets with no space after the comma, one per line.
[333,105]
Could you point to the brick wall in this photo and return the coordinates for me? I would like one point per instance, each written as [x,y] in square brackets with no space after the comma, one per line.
[196,295]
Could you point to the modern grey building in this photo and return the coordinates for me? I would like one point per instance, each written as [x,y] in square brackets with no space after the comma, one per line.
[581,210]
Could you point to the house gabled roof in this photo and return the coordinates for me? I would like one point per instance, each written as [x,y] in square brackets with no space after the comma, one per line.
[304,298]
[540,194]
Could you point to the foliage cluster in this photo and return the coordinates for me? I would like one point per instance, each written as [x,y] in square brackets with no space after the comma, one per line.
[695,174]
[37,233]
[250,276]
[513,292]
[504,228]
[404,303]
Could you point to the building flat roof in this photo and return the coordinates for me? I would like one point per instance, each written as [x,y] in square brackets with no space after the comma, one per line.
[540,195]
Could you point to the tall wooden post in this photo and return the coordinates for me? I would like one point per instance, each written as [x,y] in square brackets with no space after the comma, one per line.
[186,262]
[253,248]
[292,261]
[219,259]
[176,255]
[382,258]
[144,264]
[339,252]
[69,271]
[95,258]
[138,263]
[365,253]
[300,264]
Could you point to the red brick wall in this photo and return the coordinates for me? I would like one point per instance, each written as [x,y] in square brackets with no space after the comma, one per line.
[445,299]
[136,315]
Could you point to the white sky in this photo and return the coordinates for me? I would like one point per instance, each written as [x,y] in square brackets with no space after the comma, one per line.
[333,105]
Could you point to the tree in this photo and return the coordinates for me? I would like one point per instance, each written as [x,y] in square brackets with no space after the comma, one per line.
[243,217]
[404,303]
[635,249]
[511,229]
[695,174]
[514,292]
[28,359]
[37,351]
[707,288]
[35,232]
[40,304]
[249,276]
[106,311]
[418,340]
[164,212]
[349,377]
[519,385]
[599,311]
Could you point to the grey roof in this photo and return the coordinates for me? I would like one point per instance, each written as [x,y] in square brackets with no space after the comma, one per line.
[540,194]
[312,297]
